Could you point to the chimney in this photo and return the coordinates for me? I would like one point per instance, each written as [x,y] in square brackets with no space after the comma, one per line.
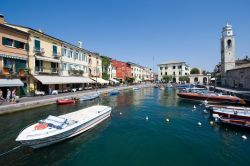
[2,19]
[39,30]
[79,44]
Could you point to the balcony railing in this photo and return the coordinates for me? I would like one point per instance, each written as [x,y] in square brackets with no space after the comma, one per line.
[38,50]
[75,72]
[56,55]
[46,70]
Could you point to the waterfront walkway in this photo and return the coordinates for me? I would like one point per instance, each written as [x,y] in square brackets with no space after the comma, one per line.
[37,101]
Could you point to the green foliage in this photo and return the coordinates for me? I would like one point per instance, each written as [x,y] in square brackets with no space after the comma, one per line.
[105,76]
[167,78]
[195,71]
[183,78]
[105,66]
[130,79]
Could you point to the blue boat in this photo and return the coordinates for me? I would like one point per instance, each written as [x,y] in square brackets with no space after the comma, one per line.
[114,92]
[89,97]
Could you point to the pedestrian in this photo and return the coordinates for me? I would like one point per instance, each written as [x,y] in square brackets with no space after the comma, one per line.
[1,95]
[13,95]
[8,95]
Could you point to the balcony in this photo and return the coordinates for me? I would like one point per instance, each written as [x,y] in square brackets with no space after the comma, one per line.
[44,70]
[39,51]
[74,72]
[56,55]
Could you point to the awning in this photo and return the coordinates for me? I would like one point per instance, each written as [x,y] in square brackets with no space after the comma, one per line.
[100,80]
[113,80]
[212,79]
[48,59]
[63,80]
[10,82]
[13,57]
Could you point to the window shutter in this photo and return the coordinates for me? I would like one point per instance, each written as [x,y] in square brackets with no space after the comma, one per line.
[4,41]
[16,44]
[27,47]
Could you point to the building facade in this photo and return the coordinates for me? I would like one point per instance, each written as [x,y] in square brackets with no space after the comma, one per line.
[174,69]
[123,69]
[13,57]
[148,75]
[94,65]
[137,72]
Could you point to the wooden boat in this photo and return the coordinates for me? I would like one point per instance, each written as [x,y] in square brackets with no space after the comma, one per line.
[231,112]
[213,97]
[65,101]
[89,97]
[235,121]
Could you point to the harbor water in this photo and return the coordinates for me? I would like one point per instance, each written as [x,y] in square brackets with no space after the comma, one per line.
[147,127]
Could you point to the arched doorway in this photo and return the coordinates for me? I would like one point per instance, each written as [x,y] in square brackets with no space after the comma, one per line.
[188,80]
[174,80]
[196,79]
[204,80]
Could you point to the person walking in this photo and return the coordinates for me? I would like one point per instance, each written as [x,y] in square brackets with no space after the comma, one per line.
[8,95]
[13,95]
[1,95]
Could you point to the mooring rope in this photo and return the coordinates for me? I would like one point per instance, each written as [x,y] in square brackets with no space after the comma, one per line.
[10,150]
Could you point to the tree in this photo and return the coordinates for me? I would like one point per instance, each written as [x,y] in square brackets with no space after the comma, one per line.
[167,78]
[183,78]
[105,66]
[195,71]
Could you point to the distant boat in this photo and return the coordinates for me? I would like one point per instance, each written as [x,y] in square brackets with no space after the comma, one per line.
[183,86]
[162,88]
[136,88]
[213,97]
[169,85]
[65,101]
[114,92]
[54,129]
[89,97]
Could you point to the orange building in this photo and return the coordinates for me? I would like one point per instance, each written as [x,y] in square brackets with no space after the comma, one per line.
[123,69]
[13,58]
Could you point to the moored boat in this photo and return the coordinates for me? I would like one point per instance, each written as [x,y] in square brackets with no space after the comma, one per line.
[233,121]
[89,97]
[114,92]
[213,97]
[231,112]
[65,101]
[136,88]
[58,128]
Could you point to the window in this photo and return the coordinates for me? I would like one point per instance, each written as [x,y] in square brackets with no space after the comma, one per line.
[64,52]
[54,49]
[173,67]
[179,67]
[7,41]
[166,68]
[37,45]
[179,73]
[64,66]
[71,53]
[174,73]
[76,55]
[161,74]
[166,73]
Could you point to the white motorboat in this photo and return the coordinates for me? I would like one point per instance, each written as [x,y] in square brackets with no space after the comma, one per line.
[58,128]
[89,97]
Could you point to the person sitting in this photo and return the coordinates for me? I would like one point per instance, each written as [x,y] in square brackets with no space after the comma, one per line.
[1,95]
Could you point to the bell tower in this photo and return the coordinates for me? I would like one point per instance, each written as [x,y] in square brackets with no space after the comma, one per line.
[227,49]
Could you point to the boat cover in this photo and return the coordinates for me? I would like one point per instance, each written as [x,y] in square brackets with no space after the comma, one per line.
[54,121]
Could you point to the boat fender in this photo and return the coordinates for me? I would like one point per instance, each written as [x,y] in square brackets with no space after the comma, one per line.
[199,123]
[244,137]
[205,111]
[146,117]
[194,107]
[120,113]
[167,120]
[211,122]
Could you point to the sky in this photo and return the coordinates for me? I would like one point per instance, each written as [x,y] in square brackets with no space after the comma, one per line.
[146,32]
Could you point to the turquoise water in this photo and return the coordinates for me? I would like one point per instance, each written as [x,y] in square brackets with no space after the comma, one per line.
[127,138]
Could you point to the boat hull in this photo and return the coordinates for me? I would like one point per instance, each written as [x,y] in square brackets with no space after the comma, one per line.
[61,102]
[39,143]
[215,99]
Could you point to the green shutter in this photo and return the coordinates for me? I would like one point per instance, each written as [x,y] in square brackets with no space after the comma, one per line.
[55,49]
[37,44]
[4,41]
[16,44]
[27,46]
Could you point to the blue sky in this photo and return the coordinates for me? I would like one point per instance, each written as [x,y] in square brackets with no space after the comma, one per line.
[138,30]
